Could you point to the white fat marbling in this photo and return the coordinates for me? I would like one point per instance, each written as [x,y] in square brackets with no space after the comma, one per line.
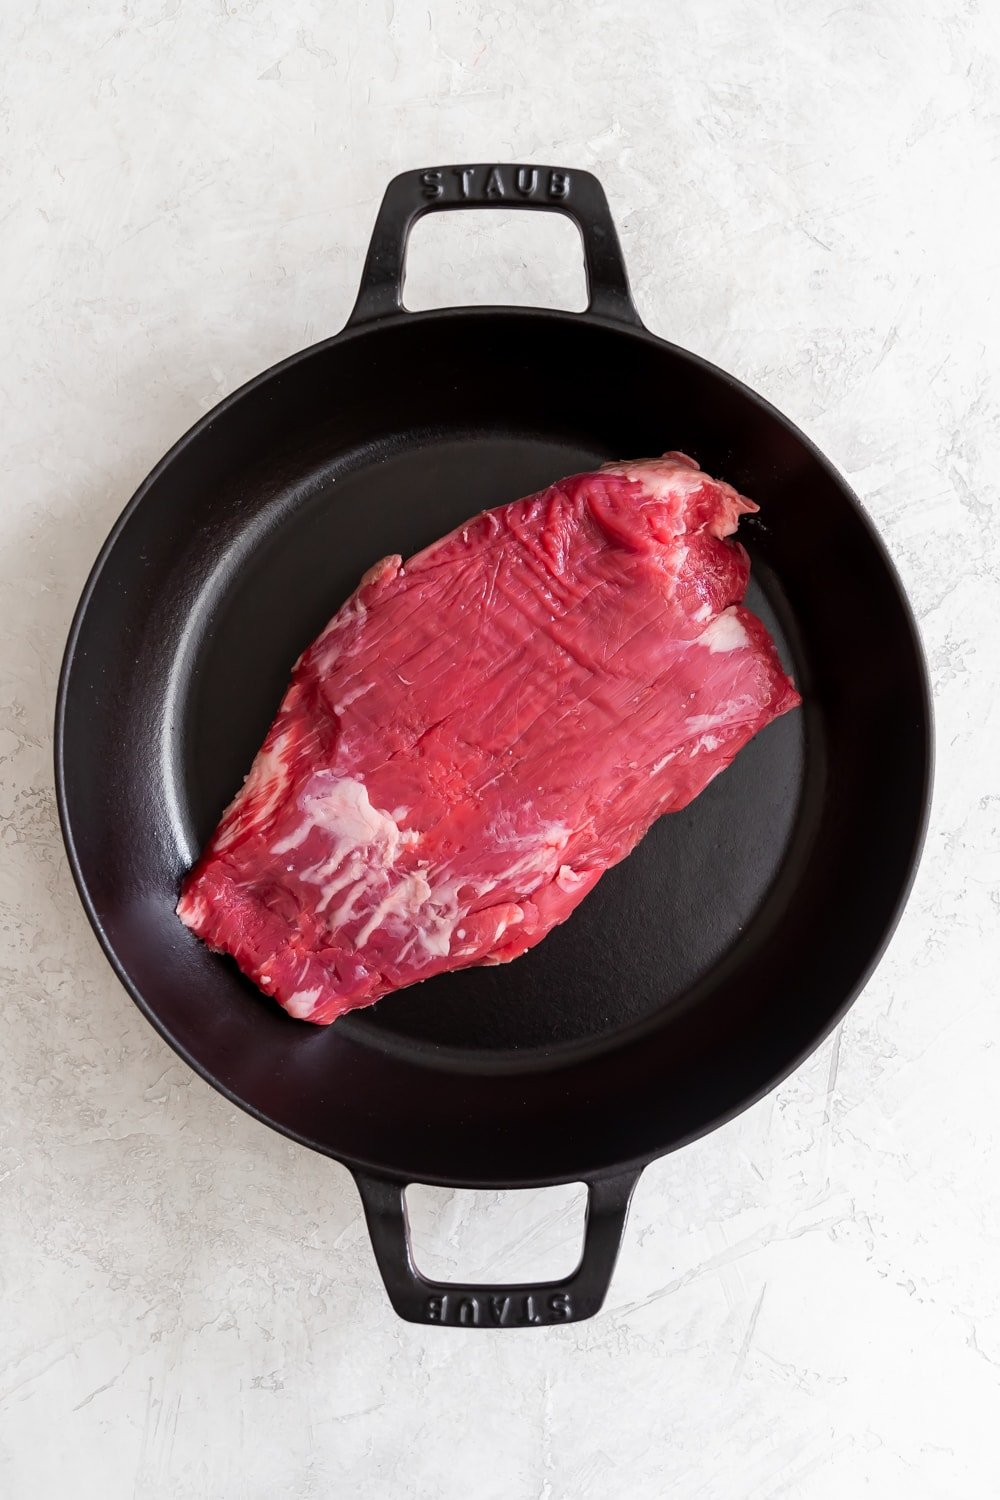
[352,697]
[340,808]
[193,908]
[263,785]
[302,1003]
[408,900]
[532,858]
[665,760]
[362,844]
[806,1306]
[661,476]
[725,633]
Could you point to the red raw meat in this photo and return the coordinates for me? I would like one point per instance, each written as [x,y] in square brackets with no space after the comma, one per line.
[479,733]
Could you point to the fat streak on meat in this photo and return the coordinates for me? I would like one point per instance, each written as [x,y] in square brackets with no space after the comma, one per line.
[478,734]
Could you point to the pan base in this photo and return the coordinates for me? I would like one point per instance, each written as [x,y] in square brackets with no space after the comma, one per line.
[655,925]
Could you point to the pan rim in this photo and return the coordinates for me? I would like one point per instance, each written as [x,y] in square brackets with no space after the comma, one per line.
[535,316]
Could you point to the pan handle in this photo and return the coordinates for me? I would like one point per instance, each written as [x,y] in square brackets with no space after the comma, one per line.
[577,194]
[419,1300]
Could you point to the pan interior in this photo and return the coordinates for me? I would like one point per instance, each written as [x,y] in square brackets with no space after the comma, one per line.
[655,925]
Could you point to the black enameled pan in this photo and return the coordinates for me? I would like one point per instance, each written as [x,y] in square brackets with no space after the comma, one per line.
[701,971]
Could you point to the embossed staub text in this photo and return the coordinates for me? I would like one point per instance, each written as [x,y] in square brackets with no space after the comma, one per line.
[498,1309]
[493,184]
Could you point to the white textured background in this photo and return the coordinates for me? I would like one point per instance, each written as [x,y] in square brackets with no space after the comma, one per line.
[807,1304]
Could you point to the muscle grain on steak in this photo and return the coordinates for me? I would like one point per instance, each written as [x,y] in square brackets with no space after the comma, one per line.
[479,733]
